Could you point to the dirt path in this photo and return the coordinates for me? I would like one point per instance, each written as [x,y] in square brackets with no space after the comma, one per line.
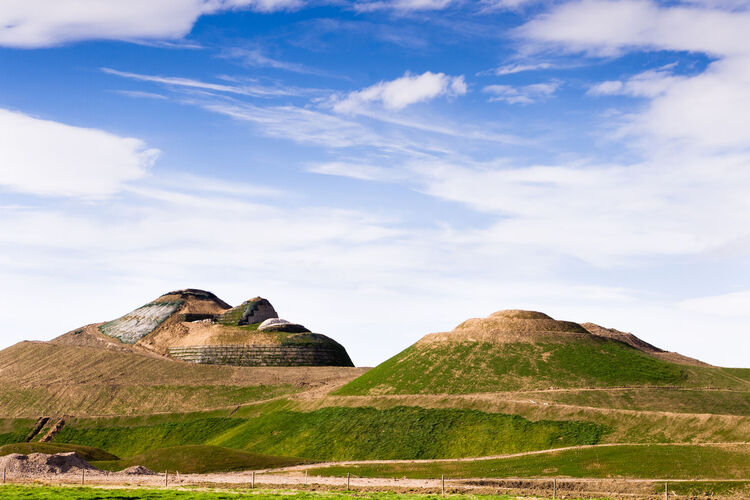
[489,457]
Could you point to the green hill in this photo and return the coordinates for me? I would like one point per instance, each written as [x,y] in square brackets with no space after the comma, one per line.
[524,351]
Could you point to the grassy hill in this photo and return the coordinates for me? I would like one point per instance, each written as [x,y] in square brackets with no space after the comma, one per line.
[525,351]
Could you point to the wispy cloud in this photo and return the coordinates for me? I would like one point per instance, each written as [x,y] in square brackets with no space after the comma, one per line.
[138,94]
[173,81]
[525,94]
[511,69]
[255,57]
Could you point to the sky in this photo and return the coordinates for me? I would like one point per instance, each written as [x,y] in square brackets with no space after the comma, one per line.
[380,169]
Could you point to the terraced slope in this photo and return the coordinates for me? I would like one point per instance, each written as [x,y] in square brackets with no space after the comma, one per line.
[42,378]
[523,351]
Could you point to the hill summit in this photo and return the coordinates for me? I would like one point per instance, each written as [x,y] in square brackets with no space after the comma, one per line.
[515,350]
[511,325]
[196,326]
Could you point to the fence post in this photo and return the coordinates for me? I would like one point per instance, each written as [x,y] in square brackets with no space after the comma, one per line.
[253,483]
[83,477]
[348,476]
[554,490]
[166,478]
[666,490]
[442,485]
[3,475]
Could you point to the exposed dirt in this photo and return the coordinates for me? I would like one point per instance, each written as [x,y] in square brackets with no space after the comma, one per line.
[36,464]
[138,470]
[508,327]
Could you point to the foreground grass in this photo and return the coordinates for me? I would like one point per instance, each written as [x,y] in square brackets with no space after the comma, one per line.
[47,492]
[199,459]
[625,461]
[339,433]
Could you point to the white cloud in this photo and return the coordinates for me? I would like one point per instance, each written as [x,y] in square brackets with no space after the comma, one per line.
[355,170]
[706,111]
[43,23]
[511,69]
[49,158]
[401,92]
[403,5]
[525,94]
[609,27]
[650,84]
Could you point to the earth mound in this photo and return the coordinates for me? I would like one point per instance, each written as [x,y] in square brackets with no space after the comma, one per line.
[138,470]
[42,463]
[510,326]
[196,326]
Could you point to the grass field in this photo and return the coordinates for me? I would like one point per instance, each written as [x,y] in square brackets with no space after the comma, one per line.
[625,461]
[47,492]
[342,433]
[473,367]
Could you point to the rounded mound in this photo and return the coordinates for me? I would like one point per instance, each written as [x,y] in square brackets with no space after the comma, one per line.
[519,314]
[508,326]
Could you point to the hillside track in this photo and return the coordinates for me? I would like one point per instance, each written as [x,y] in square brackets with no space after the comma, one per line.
[489,457]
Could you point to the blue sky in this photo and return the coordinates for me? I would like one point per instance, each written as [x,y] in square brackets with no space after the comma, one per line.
[380,170]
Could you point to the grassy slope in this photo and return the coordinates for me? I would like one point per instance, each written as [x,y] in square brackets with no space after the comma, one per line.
[198,459]
[462,368]
[85,452]
[719,402]
[343,433]
[97,399]
[627,461]
[49,379]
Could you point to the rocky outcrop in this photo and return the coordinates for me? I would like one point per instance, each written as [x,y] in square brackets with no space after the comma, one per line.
[314,354]
[281,325]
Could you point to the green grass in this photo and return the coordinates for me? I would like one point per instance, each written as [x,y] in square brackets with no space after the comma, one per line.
[127,441]
[15,430]
[63,493]
[472,367]
[198,459]
[624,461]
[87,453]
[337,433]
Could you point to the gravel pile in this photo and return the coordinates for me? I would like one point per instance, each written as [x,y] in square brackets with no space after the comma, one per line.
[42,463]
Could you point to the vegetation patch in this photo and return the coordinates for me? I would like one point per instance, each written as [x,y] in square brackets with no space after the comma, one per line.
[87,453]
[470,367]
[623,461]
[198,459]
[132,440]
[337,433]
